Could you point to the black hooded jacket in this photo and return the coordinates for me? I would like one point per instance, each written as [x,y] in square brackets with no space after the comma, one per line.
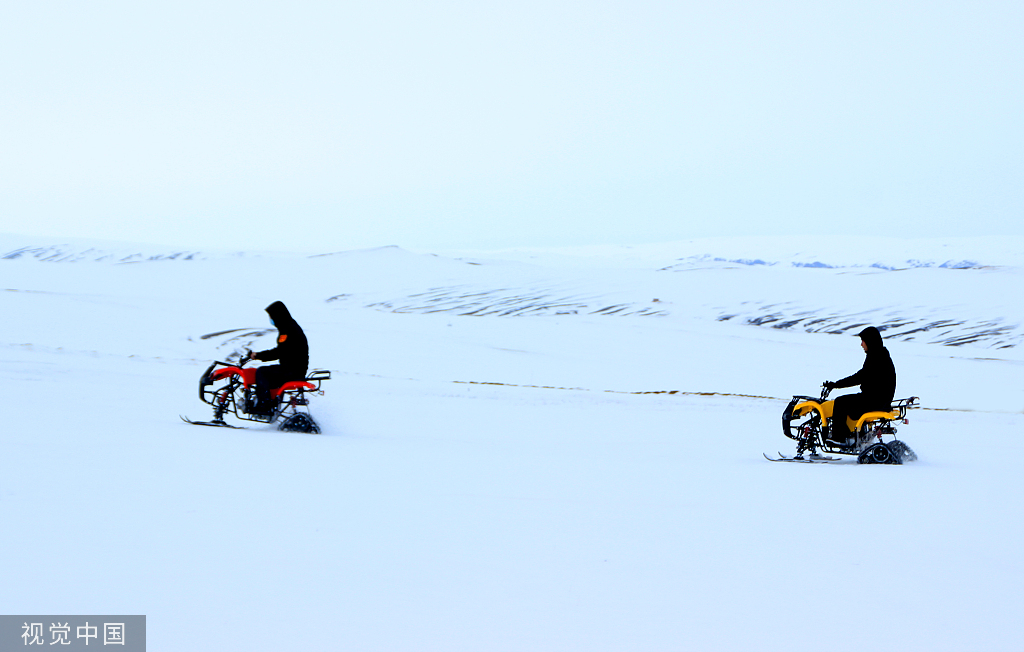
[877,378]
[292,350]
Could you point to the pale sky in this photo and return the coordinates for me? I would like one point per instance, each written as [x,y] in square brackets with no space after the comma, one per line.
[335,125]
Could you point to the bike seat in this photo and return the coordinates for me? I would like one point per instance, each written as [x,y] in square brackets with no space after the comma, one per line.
[294,386]
[867,417]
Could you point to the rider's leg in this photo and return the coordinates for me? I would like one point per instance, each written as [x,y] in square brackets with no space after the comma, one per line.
[267,378]
[848,405]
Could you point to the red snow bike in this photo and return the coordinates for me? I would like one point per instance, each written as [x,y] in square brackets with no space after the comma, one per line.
[232,388]
[808,420]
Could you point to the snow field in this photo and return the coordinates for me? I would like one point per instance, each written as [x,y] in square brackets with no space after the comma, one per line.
[557,508]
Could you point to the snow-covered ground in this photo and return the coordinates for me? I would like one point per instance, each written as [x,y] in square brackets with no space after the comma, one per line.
[522,450]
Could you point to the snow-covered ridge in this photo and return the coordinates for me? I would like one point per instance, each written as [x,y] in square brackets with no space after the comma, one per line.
[702,260]
[71,254]
[76,250]
[951,293]
[949,325]
[932,326]
[470,301]
[783,251]
[953,302]
[802,252]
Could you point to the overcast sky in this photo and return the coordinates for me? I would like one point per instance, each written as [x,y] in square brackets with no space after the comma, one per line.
[334,125]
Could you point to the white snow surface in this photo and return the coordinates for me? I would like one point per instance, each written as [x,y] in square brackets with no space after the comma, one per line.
[522,450]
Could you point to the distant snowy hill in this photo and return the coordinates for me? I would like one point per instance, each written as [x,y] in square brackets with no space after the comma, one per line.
[79,251]
[934,291]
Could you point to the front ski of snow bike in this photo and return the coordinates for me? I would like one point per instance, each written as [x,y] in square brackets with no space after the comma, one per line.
[808,421]
[231,389]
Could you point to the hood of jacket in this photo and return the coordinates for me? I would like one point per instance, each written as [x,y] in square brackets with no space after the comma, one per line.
[872,338]
[279,313]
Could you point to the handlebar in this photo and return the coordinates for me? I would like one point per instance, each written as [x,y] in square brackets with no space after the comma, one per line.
[825,390]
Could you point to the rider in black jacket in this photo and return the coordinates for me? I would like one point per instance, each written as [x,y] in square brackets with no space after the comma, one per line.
[877,380]
[292,353]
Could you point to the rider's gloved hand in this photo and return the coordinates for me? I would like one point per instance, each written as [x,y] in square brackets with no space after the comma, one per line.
[828,384]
